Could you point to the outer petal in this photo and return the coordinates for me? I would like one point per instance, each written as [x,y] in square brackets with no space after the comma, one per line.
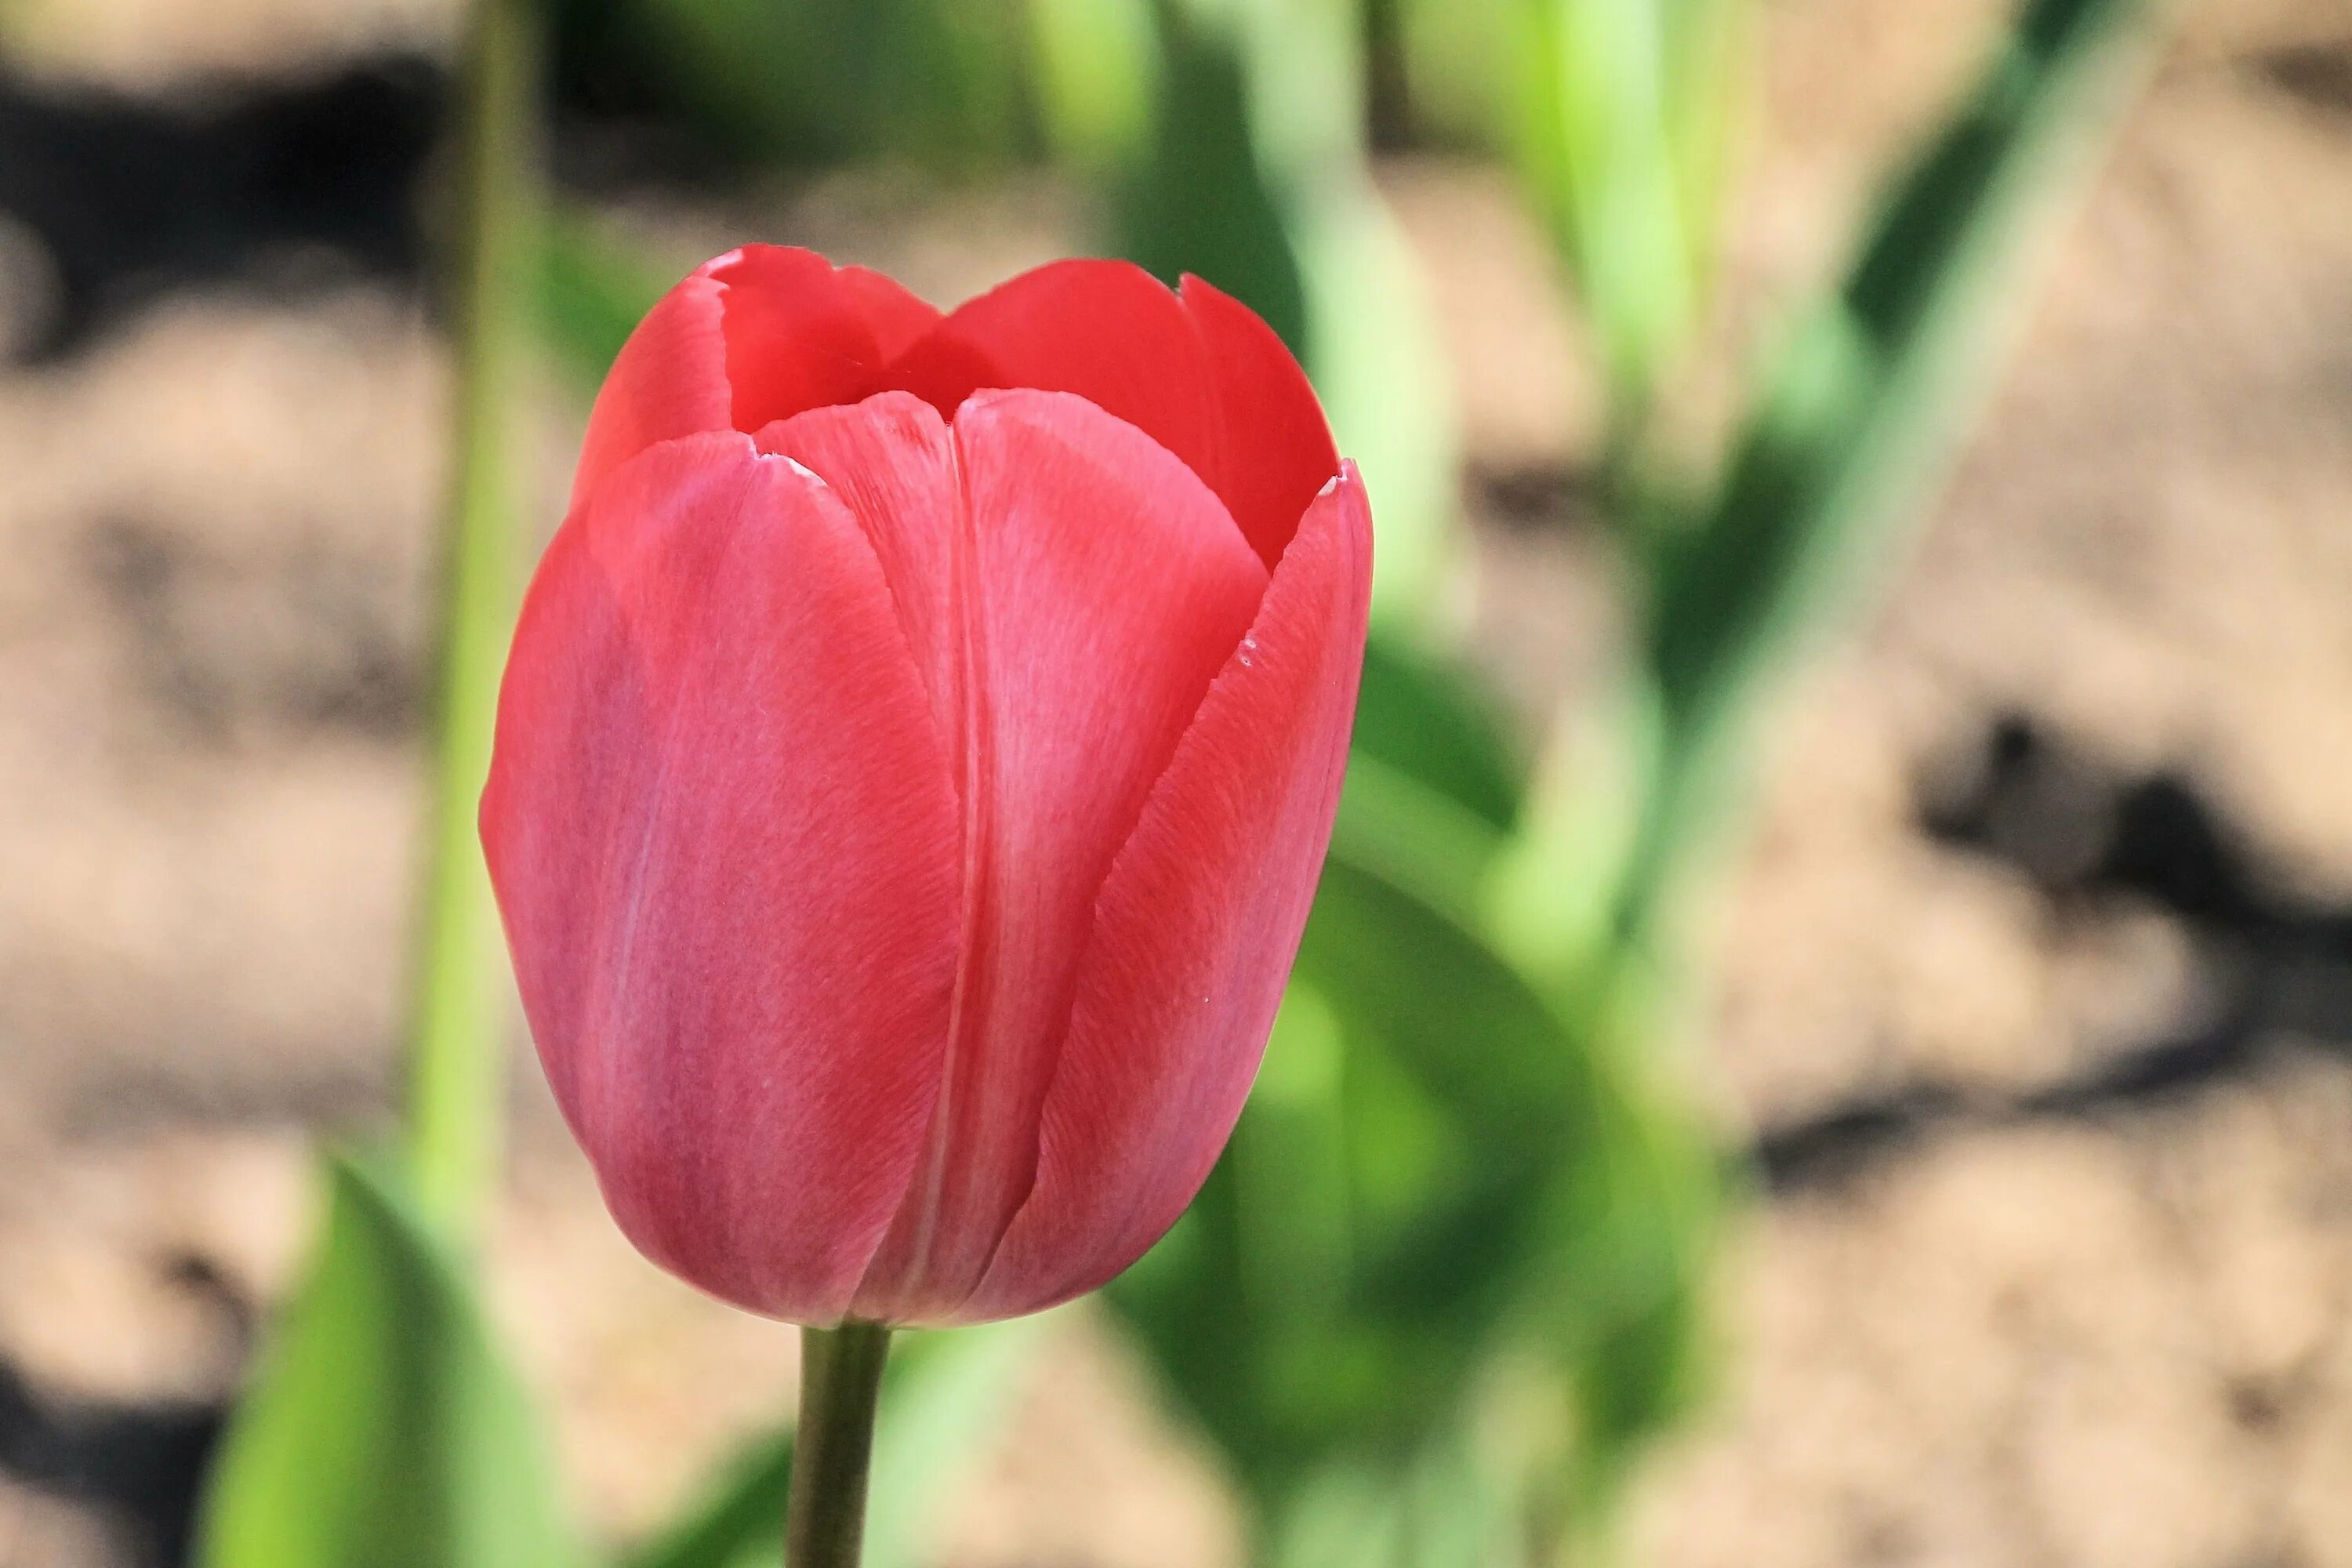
[669,380]
[1195,931]
[757,334]
[1200,373]
[1099,588]
[724,840]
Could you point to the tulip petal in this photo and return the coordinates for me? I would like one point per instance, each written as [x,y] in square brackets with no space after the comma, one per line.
[1277,446]
[669,380]
[1195,930]
[890,460]
[801,336]
[1101,586]
[896,315]
[758,334]
[1198,372]
[725,841]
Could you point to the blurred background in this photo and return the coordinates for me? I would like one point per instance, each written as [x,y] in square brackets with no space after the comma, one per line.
[1932,1143]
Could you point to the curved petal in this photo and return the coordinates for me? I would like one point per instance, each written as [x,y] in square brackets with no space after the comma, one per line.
[1199,373]
[897,316]
[669,380]
[802,334]
[1099,588]
[757,334]
[725,844]
[1195,931]
[1277,447]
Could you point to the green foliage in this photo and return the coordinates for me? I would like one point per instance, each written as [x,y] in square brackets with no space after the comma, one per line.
[383,1429]
[1093,61]
[942,1397]
[1622,115]
[1425,716]
[594,293]
[456,1056]
[1454,59]
[1200,200]
[822,81]
[1867,402]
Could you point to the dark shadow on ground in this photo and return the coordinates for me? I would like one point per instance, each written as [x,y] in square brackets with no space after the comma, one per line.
[138,1466]
[2279,966]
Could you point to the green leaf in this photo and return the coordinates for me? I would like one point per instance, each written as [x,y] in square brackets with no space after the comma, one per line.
[943,1397]
[739,1523]
[1866,404]
[1621,116]
[1456,60]
[384,1429]
[1350,1257]
[1093,61]
[1436,1508]
[823,82]
[1426,717]
[1376,354]
[1197,197]
[595,291]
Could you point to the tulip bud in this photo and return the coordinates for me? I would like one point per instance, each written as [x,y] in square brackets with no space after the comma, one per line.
[917,754]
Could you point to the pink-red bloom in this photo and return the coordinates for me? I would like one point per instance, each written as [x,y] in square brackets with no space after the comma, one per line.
[919,748]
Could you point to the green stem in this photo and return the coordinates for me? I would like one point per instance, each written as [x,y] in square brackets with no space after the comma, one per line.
[455,1066]
[841,1384]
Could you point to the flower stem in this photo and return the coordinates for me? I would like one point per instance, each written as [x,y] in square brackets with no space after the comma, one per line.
[840,1383]
[456,1069]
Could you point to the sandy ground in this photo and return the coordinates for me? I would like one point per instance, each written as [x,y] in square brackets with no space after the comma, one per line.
[2113,1337]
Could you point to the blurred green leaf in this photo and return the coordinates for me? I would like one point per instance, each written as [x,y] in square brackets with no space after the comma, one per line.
[1330,1287]
[383,1430]
[1436,1506]
[1095,62]
[1375,353]
[1346,1517]
[1458,69]
[1552,899]
[1437,1168]
[818,81]
[1426,716]
[1618,1298]
[943,1397]
[1622,113]
[738,1522]
[594,293]
[1356,1253]
[1867,402]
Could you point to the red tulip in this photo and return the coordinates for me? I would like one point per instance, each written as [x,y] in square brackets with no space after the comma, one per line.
[908,796]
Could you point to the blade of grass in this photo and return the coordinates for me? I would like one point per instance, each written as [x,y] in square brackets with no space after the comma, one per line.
[456,1089]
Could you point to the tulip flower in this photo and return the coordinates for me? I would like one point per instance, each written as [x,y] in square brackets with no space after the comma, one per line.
[919,748]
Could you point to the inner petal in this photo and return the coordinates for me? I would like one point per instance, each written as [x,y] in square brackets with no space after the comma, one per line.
[1093,588]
